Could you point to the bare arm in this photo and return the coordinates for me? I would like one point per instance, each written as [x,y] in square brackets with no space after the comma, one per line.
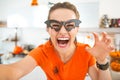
[17,70]
[100,51]
[97,74]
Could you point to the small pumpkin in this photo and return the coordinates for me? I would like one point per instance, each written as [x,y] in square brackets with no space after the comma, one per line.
[17,50]
[115,65]
[115,54]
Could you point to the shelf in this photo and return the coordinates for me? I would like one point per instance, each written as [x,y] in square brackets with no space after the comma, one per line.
[99,30]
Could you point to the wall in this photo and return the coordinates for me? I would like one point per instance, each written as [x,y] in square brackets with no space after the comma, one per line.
[110,7]
[19,13]
[89,14]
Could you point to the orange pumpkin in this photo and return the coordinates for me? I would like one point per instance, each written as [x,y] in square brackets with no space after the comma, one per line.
[115,65]
[115,54]
[17,50]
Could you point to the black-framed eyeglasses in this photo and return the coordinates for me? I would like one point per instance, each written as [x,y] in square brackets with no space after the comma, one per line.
[69,25]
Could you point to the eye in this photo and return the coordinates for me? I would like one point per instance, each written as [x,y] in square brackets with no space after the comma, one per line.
[55,25]
[70,25]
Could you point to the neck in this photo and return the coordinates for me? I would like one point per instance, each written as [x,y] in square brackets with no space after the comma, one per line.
[66,56]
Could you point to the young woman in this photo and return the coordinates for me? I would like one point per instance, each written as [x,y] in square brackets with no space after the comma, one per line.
[62,57]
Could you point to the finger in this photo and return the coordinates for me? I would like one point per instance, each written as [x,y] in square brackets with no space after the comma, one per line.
[112,47]
[108,41]
[104,36]
[96,36]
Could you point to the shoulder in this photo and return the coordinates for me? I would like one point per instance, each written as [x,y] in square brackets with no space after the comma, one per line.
[84,54]
[40,53]
[45,45]
[81,45]
[41,49]
[81,49]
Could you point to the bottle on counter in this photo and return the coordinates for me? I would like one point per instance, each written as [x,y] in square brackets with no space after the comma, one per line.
[114,22]
[105,21]
[118,21]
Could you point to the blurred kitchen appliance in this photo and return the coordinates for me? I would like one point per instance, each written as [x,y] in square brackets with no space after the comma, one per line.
[17,49]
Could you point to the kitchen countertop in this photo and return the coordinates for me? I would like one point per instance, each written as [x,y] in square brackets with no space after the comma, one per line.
[10,58]
[115,75]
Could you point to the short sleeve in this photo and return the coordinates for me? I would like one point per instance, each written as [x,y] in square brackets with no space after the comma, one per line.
[36,54]
[92,61]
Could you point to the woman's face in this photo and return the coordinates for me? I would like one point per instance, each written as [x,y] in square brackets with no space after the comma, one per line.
[62,40]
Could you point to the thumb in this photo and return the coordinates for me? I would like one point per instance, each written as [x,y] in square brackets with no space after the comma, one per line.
[96,36]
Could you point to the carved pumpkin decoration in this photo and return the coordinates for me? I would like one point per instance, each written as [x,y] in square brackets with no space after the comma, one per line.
[17,50]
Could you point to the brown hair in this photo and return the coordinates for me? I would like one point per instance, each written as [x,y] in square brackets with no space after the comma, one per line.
[65,5]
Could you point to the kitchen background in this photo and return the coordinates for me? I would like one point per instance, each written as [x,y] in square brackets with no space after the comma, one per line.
[27,21]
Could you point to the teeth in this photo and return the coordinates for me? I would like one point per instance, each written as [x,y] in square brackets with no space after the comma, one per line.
[63,38]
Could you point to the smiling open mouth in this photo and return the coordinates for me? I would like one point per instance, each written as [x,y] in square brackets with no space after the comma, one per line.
[62,42]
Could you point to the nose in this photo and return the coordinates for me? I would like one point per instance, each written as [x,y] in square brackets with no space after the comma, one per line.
[62,30]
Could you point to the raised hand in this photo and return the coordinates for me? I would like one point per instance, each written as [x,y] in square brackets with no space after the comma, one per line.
[102,47]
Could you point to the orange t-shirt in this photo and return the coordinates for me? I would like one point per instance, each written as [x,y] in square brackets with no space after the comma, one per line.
[75,69]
